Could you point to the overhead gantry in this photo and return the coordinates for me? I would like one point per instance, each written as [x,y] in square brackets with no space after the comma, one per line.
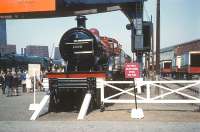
[28,9]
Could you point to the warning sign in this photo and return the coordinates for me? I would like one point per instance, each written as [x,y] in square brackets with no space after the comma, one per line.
[132,70]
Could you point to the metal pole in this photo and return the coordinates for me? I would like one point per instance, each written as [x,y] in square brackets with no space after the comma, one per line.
[148,65]
[158,38]
[152,52]
[140,61]
[134,89]
[157,91]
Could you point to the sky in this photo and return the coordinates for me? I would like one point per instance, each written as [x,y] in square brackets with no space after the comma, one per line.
[180,22]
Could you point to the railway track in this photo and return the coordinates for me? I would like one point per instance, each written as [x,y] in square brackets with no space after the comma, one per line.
[193,91]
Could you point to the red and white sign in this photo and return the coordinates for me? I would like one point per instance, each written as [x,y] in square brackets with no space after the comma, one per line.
[132,70]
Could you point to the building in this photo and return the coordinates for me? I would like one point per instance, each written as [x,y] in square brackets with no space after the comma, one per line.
[187,46]
[34,50]
[3,36]
[7,49]
[169,53]
[57,55]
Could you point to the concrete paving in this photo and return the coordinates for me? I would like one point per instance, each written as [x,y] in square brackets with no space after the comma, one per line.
[14,117]
[98,126]
[15,108]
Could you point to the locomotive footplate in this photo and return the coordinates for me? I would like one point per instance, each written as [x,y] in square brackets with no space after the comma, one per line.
[77,75]
[67,94]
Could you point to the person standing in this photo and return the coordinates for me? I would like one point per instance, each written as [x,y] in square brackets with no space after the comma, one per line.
[2,82]
[15,84]
[28,83]
[8,82]
[23,81]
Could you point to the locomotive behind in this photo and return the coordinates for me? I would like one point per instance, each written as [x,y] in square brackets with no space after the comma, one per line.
[21,61]
[87,56]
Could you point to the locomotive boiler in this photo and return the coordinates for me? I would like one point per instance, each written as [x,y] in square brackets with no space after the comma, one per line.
[87,56]
[82,51]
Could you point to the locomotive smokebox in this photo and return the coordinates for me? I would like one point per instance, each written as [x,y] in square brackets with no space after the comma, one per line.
[81,21]
[78,47]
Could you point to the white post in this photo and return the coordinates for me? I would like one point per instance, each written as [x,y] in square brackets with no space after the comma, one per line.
[84,106]
[33,69]
[102,91]
[138,81]
[40,107]
[34,83]
[139,91]
[157,89]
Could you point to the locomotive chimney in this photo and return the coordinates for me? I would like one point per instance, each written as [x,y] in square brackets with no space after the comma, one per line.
[81,21]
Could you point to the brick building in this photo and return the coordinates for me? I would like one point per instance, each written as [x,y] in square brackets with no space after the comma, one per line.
[34,50]
[7,49]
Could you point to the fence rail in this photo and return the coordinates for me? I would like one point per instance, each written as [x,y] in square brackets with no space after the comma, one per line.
[148,96]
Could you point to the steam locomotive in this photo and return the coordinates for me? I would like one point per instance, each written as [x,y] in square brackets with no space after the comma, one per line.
[88,56]
[21,61]
[84,50]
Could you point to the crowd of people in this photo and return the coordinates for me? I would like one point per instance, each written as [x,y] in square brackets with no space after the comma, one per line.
[11,81]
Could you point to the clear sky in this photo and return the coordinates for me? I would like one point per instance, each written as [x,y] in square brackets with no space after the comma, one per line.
[180,22]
